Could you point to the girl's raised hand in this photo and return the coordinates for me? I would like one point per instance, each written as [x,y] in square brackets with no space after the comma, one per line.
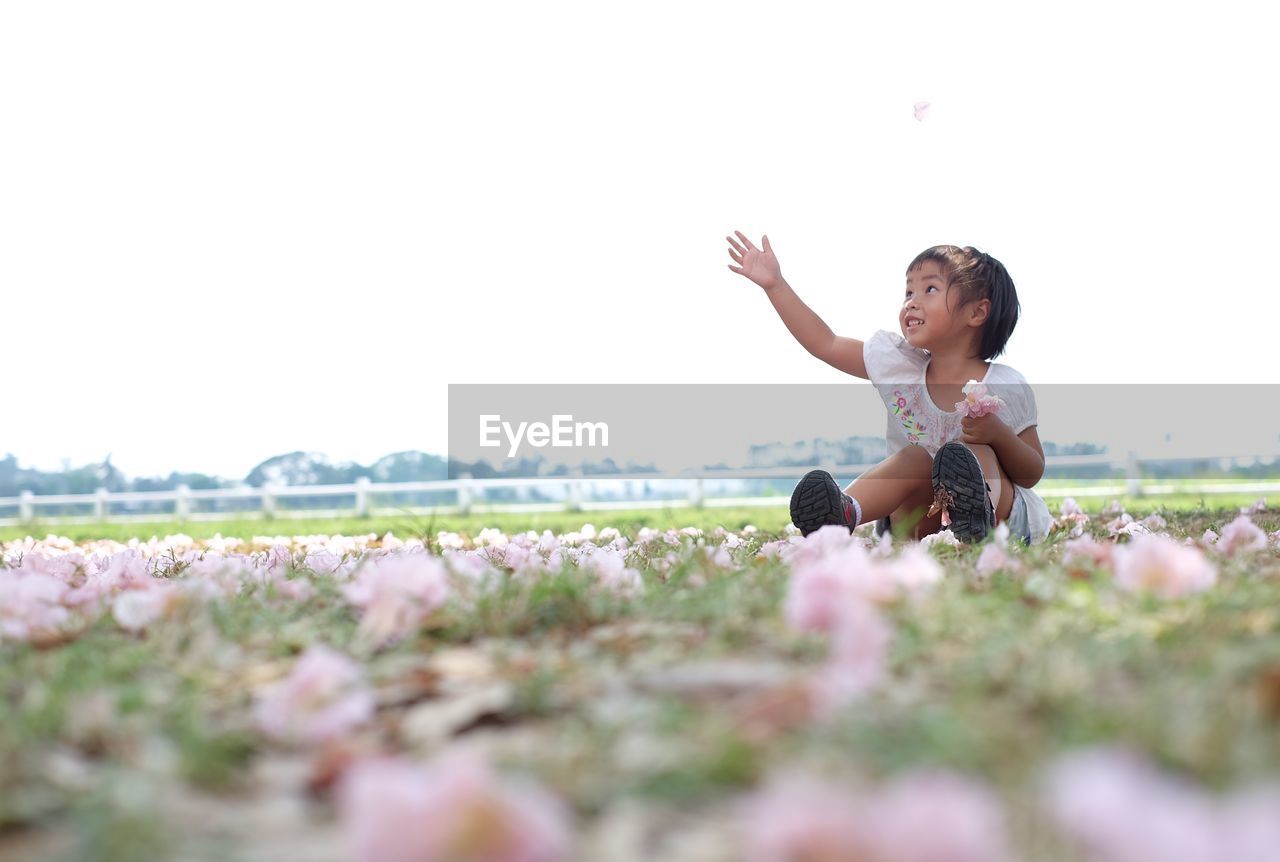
[759,265]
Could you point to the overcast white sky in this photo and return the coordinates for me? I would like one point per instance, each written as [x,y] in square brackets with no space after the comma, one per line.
[234,229]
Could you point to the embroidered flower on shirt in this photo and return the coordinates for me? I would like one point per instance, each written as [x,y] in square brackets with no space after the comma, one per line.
[910,424]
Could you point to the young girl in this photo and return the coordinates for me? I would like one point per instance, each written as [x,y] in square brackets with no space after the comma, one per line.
[943,468]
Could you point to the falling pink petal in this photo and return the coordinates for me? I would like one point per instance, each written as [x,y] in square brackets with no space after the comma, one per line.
[920,108]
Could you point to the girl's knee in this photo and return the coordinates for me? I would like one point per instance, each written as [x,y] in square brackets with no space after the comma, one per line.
[917,457]
[986,457]
[981,449]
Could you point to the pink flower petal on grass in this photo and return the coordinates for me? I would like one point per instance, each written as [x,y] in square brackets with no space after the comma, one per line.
[1241,535]
[1160,565]
[454,809]
[137,609]
[397,592]
[31,605]
[324,697]
[923,816]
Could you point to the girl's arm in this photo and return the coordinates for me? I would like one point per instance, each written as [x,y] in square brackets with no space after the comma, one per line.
[814,334]
[1020,455]
[761,266]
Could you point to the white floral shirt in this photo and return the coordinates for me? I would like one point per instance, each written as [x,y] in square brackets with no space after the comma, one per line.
[897,371]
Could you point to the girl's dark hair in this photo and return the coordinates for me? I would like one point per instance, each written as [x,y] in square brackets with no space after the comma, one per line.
[978,275]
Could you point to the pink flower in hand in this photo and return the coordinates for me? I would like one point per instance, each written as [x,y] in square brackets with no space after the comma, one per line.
[977,401]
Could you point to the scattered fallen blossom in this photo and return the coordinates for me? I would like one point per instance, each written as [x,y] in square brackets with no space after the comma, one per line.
[837,587]
[832,570]
[913,570]
[942,537]
[501,673]
[1071,518]
[614,573]
[856,659]
[324,697]
[922,816]
[31,606]
[1087,549]
[1241,535]
[775,549]
[1119,522]
[824,586]
[1120,808]
[994,558]
[323,562]
[454,809]
[718,556]
[397,593]
[136,609]
[1162,566]
[995,554]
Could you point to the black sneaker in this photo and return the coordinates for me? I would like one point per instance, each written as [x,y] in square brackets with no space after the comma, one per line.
[961,491]
[882,526]
[818,501]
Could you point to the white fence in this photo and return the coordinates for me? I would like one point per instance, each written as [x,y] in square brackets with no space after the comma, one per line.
[466,491]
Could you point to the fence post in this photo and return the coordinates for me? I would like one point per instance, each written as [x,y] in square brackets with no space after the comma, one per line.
[269,500]
[1133,475]
[182,503]
[362,496]
[573,501]
[26,507]
[464,493]
[101,503]
[696,493]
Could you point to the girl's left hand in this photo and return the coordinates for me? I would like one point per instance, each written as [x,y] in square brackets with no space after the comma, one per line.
[987,429]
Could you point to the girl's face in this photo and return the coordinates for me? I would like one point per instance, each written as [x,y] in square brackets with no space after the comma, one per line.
[924,317]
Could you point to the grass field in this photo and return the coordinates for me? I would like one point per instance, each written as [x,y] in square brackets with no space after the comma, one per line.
[656,708]
[768,518]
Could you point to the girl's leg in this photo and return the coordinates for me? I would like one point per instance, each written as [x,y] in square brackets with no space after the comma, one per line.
[1001,487]
[900,486]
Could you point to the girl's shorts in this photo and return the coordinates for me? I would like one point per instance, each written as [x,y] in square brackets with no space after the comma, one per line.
[1019,525]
